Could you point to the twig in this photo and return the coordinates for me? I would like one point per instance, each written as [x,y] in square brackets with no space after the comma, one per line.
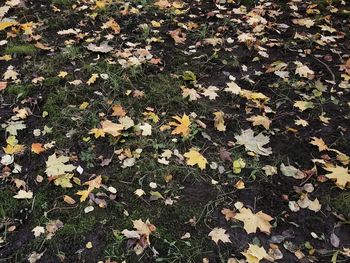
[327,67]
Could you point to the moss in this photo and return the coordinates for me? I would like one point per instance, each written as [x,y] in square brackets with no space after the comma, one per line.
[21,49]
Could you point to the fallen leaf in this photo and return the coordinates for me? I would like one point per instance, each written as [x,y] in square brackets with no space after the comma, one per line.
[319,143]
[182,125]
[37,148]
[194,157]
[219,122]
[178,36]
[260,120]
[56,166]
[254,254]
[219,234]
[24,195]
[111,128]
[102,48]
[254,221]
[254,143]
[340,174]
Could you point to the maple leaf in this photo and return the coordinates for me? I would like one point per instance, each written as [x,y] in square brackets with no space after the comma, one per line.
[97,132]
[56,166]
[94,183]
[192,94]
[13,126]
[303,70]
[182,126]
[37,148]
[340,174]
[118,110]
[64,180]
[219,122]
[10,73]
[303,105]
[218,234]
[319,142]
[260,120]
[111,128]
[194,157]
[211,92]
[254,221]
[112,24]
[254,254]
[233,88]
[254,143]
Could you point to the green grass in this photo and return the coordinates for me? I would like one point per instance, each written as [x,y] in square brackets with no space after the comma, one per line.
[26,49]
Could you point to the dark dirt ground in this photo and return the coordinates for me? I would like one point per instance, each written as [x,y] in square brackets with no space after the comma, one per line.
[192,190]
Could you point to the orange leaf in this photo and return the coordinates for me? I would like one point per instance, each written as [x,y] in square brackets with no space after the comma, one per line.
[3,85]
[37,148]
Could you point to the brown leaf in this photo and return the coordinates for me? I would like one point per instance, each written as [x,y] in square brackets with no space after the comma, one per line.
[178,36]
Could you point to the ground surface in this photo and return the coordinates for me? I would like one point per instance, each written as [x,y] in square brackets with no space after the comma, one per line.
[162,131]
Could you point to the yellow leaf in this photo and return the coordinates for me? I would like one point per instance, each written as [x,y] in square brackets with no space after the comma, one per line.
[254,254]
[83,195]
[62,74]
[238,165]
[254,221]
[182,125]
[319,143]
[4,25]
[219,122]
[18,148]
[260,120]
[84,105]
[97,132]
[194,157]
[340,174]
[64,181]
[92,79]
